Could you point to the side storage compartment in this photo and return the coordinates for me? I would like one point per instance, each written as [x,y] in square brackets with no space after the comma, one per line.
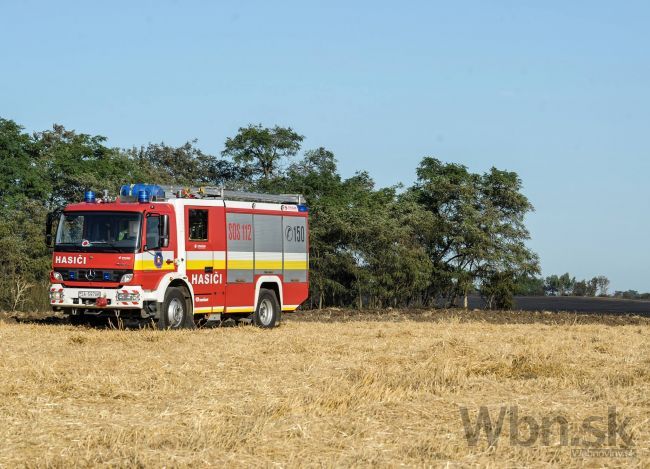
[295,261]
[240,259]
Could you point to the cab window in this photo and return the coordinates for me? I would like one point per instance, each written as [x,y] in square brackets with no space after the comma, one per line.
[153,232]
[198,225]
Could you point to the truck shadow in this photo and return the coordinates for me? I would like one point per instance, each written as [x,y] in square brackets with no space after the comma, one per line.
[102,322]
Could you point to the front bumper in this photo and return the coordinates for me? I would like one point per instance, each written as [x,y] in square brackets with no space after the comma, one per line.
[68,297]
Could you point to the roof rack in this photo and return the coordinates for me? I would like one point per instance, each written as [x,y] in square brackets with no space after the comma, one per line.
[206,192]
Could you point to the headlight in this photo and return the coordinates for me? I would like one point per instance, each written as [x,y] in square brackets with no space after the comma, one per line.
[126,278]
[56,295]
[57,276]
[128,296]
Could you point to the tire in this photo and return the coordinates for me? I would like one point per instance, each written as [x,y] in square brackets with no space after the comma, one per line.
[268,313]
[175,313]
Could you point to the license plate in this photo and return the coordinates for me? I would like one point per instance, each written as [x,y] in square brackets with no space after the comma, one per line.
[89,294]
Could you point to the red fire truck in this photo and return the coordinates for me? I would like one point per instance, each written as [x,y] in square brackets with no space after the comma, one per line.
[181,256]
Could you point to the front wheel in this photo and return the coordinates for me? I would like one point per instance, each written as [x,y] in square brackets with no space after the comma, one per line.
[175,312]
[268,312]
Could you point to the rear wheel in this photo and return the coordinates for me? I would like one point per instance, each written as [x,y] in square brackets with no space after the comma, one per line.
[176,313]
[268,312]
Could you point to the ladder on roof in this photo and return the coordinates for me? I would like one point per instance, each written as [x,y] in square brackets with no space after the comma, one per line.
[215,192]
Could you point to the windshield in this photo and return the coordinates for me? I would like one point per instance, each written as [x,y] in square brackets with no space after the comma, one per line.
[99,232]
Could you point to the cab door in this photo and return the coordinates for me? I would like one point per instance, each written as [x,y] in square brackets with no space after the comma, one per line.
[158,250]
[201,242]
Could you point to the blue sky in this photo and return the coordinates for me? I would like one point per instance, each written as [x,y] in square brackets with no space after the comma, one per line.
[557,91]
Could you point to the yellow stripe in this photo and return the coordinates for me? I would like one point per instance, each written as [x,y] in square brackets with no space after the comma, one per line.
[141,264]
[240,265]
[268,265]
[239,309]
[289,308]
[202,264]
[295,265]
[208,309]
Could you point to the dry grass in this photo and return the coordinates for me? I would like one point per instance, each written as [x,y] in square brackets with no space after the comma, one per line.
[351,393]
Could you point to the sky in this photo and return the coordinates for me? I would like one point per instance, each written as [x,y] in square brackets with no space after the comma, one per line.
[557,91]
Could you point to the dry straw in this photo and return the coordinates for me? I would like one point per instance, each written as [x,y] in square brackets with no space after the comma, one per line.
[330,393]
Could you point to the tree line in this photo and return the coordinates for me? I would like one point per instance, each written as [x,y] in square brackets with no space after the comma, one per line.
[452,232]
[563,285]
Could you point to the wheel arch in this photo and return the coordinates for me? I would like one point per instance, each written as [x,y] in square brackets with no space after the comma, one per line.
[175,282]
[270,282]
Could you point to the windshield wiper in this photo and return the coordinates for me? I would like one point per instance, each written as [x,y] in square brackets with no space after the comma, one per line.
[105,243]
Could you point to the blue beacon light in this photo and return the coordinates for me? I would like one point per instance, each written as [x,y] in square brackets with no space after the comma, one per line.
[143,196]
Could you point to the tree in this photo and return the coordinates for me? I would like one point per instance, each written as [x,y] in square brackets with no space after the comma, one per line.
[449,193]
[628,295]
[260,150]
[316,177]
[602,284]
[497,290]
[477,229]
[552,285]
[364,242]
[184,165]
[581,288]
[391,267]
[504,208]
[22,175]
[74,162]
[566,283]
[25,260]
[529,285]
[591,287]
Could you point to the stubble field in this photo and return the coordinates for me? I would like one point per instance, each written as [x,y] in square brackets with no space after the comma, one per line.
[328,389]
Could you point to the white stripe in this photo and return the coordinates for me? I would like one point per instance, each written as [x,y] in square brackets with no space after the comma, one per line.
[295,256]
[199,255]
[268,256]
[206,255]
[219,255]
[198,202]
[259,205]
[149,255]
[268,206]
[238,204]
[240,255]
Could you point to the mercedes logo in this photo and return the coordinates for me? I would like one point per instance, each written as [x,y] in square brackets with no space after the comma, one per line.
[90,275]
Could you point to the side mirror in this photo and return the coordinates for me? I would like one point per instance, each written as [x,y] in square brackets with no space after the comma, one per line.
[164,231]
[49,223]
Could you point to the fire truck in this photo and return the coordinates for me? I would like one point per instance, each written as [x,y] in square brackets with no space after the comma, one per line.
[181,257]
